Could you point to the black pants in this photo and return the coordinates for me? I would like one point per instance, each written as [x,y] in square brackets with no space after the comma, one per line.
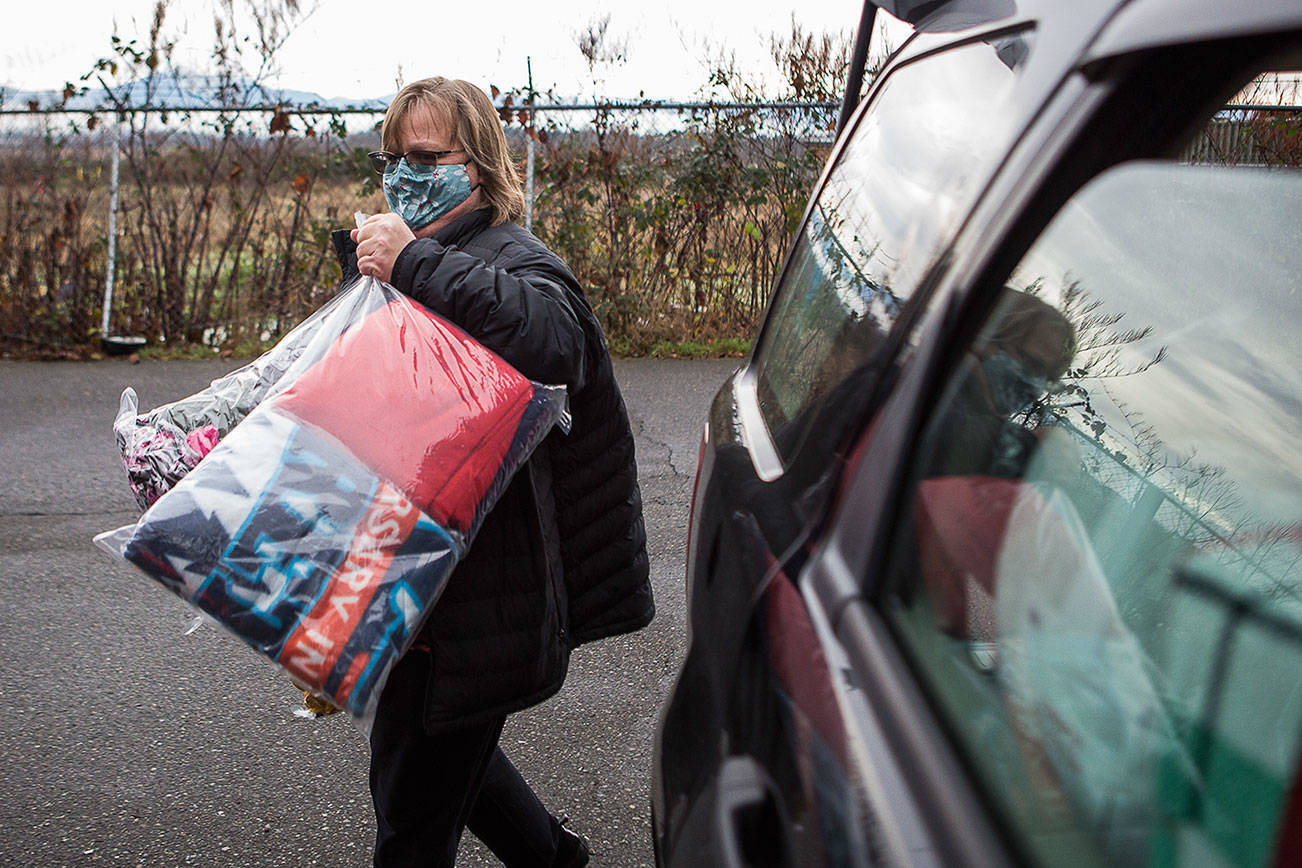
[428,788]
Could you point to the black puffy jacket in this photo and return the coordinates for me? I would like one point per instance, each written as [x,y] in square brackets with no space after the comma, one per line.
[561,559]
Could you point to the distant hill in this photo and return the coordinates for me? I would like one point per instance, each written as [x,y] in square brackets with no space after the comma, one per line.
[182,92]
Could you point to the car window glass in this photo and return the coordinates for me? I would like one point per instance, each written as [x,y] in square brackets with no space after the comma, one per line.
[911,169]
[1100,574]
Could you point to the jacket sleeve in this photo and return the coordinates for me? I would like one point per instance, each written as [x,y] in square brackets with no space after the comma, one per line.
[521,312]
[346,252]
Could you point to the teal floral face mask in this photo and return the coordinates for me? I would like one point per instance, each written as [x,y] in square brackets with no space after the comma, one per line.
[422,194]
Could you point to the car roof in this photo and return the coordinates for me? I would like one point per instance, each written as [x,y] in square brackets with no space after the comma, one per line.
[1122,26]
[954,15]
[1145,24]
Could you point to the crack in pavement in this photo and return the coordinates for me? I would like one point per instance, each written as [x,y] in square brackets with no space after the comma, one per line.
[640,436]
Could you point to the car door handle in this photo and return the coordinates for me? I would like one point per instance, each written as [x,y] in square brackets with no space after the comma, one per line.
[751,823]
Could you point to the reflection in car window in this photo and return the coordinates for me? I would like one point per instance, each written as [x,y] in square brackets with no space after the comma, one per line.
[1102,577]
[909,171]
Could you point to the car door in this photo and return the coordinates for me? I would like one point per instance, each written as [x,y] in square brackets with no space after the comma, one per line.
[756,762]
[1064,573]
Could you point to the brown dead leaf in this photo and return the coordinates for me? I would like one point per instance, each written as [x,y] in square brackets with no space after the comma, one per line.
[279,122]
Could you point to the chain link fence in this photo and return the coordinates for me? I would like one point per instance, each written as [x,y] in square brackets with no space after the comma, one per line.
[54,172]
[1189,503]
[675,216]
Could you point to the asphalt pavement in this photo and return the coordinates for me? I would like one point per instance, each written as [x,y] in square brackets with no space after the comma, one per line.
[125,738]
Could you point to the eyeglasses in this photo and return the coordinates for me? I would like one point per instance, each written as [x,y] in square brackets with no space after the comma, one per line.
[384,161]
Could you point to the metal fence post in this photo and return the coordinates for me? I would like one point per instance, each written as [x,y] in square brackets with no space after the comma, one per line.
[528,183]
[528,152]
[112,229]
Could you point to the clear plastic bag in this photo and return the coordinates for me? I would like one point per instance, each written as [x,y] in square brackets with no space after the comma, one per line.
[154,447]
[322,528]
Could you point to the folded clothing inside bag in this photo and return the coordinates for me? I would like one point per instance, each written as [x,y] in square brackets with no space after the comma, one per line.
[322,529]
[431,410]
[302,552]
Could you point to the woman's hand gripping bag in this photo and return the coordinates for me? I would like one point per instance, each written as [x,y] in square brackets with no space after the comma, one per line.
[322,529]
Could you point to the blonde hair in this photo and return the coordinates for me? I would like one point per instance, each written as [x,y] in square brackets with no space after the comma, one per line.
[470,113]
[1020,314]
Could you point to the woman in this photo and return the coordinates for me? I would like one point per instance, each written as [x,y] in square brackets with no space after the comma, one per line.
[994,423]
[561,559]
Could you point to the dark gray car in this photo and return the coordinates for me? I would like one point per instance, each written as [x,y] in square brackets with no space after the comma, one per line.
[996,542]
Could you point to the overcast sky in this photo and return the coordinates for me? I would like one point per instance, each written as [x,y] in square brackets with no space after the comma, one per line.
[360,50]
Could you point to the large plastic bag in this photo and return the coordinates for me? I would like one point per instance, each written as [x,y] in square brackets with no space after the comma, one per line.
[322,528]
[159,447]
